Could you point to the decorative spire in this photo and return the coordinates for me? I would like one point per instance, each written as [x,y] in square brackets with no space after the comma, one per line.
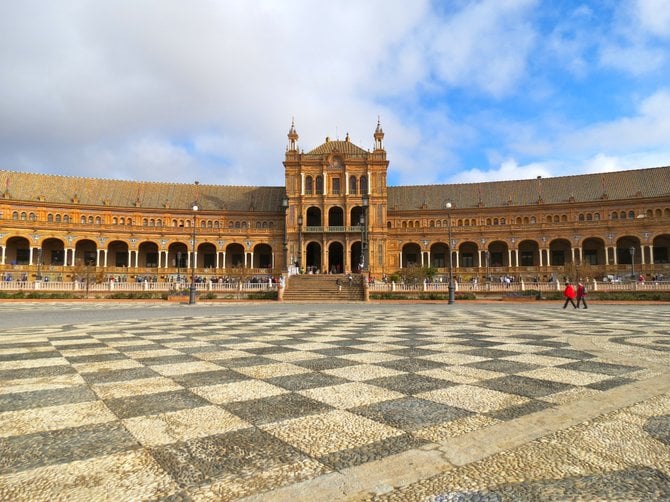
[292,137]
[379,135]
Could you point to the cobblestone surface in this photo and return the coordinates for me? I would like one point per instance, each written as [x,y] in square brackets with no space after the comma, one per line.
[322,402]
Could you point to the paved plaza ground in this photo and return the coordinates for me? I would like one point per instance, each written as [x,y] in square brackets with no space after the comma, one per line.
[266,401]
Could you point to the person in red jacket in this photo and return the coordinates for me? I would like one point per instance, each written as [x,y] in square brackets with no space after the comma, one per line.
[581,295]
[569,294]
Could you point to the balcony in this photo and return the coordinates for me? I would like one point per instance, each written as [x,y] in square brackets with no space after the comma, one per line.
[334,229]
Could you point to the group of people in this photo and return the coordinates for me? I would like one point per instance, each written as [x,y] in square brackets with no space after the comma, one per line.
[571,294]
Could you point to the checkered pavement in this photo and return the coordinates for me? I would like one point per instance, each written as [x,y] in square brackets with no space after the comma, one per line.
[227,407]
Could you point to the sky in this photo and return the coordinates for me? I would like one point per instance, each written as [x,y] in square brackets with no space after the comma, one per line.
[206,90]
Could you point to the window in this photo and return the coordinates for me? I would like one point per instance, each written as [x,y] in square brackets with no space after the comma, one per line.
[352,185]
[319,185]
[58,218]
[533,220]
[527,258]
[15,215]
[631,215]
[336,186]
[57,257]
[83,219]
[50,217]
[32,217]
[309,185]
[364,184]
[496,259]
[22,256]
[24,216]
[152,260]
[591,256]
[467,260]
[557,258]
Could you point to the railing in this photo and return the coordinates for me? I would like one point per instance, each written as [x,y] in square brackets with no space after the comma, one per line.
[331,229]
[133,286]
[498,287]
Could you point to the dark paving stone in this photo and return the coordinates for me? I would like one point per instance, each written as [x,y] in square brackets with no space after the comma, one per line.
[520,410]
[97,358]
[598,367]
[410,383]
[410,413]
[411,365]
[531,336]
[152,404]
[339,351]
[139,348]
[157,361]
[200,349]
[351,342]
[478,343]
[414,342]
[659,428]
[119,375]
[610,383]
[374,451]
[548,343]
[325,363]
[524,386]
[303,381]
[79,346]
[489,353]
[276,408]
[262,351]
[567,354]
[20,453]
[39,372]
[205,378]
[26,356]
[237,454]
[412,352]
[503,366]
[47,397]
[244,362]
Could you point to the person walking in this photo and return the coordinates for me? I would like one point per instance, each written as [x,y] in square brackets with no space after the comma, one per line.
[569,293]
[581,295]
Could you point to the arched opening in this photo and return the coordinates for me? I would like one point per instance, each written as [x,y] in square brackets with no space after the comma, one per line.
[411,255]
[262,256]
[335,217]
[439,255]
[356,255]
[148,255]
[529,253]
[53,252]
[313,257]
[313,217]
[85,253]
[335,258]
[18,251]
[206,255]
[661,249]
[117,254]
[235,256]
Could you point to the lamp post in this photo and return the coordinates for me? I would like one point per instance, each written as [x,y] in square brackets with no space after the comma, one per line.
[299,242]
[191,296]
[487,258]
[452,296]
[631,250]
[39,265]
[284,205]
[178,264]
[365,202]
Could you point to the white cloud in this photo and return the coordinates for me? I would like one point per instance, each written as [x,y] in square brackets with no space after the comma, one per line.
[654,16]
[507,170]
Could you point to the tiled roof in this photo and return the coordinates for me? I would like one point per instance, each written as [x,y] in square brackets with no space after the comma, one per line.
[343,147]
[117,193]
[653,182]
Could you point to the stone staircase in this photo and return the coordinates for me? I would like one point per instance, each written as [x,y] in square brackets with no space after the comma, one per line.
[323,288]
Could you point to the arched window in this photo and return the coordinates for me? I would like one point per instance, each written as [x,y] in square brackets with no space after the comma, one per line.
[15,215]
[66,218]
[159,223]
[526,221]
[319,185]
[353,185]
[258,224]
[589,217]
[533,220]
[98,221]
[271,225]
[309,185]
[549,219]
[518,220]
[502,221]
[122,221]
[581,217]
[58,218]
[411,224]
[209,223]
[404,224]
[631,215]
[244,224]
[622,215]
[217,224]
[174,223]
[388,224]
[237,224]
[488,221]
[438,223]
[265,224]
[83,219]
[364,184]
[90,220]
[50,217]
[145,222]
[495,221]
[596,216]
[115,221]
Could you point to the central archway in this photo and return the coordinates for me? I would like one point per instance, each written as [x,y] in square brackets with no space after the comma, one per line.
[335,258]
[313,258]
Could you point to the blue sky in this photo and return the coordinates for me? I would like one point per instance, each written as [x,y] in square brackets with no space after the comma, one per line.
[167,90]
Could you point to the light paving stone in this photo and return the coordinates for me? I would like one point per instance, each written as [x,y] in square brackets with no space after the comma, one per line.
[182,425]
[362,372]
[293,356]
[538,359]
[183,368]
[131,475]
[40,383]
[221,355]
[93,351]
[371,357]
[473,398]
[237,391]
[337,430]
[102,366]
[271,370]
[448,374]
[33,363]
[15,423]
[141,354]
[140,386]
[21,350]
[570,395]
[454,358]
[350,395]
[563,375]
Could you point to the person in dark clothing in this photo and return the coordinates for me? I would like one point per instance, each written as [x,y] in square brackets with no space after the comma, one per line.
[581,295]
[569,293]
